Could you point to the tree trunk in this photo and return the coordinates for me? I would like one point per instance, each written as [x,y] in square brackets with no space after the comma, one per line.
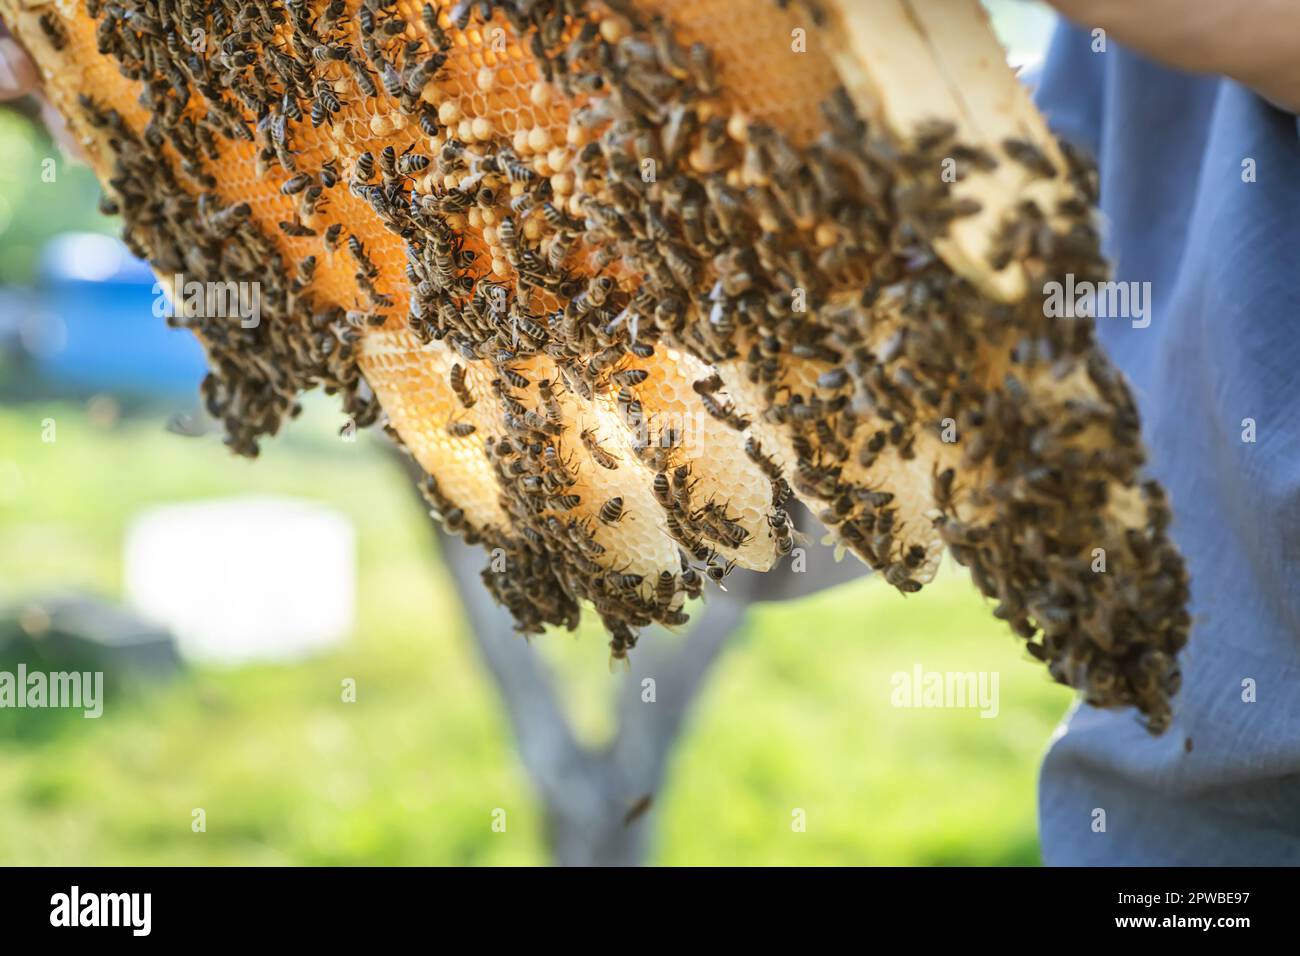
[599,805]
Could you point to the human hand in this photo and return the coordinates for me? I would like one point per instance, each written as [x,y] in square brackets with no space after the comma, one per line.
[18,78]
[17,74]
[1256,42]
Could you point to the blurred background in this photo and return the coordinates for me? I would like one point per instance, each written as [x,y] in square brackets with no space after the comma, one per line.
[232,605]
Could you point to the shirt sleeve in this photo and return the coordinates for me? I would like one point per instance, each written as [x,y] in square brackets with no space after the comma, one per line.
[1069,87]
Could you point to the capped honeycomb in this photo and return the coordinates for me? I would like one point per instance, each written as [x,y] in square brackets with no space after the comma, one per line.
[625,277]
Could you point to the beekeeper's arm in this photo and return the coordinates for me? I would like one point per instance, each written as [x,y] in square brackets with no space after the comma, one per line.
[1256,42]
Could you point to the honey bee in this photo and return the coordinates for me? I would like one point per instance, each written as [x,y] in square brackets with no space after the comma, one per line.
[512,377]
[724,412]
[899,576]
[672,60]
[325,103]
[376,298]
[834,379]
[730,532]
[562,244]
[279,138]
[717,572]
[633,411]
[941,487]
[784,532]
[310,202]
[701,67]
[554,216]
[364,169]
[357,319]
[419,75]
[531,331]
[541,425]
[54,31]
[389,76]
[709,385]
[430,18]
[361,75]
[508,401]
[410,164]
[611,512]
[296,229]
[781,493]
[692,583]
[665,588]
[663,490]
[329,175]
[225,221]
[1030,156]
[428,122]
[554,414]
[388,165]
[769,466]
[358,251]
[682,486]
[625,581]
[460,13]
[598,454]
[459,387]
[460,429]
[555,465]
[622,638]
[331,17]
[515,170]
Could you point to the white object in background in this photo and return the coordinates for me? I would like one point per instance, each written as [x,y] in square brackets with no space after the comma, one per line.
[243,579]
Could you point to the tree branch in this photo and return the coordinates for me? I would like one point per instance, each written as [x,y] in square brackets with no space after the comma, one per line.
[587,793]
[550,752]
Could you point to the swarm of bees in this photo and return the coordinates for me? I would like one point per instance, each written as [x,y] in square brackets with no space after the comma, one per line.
[624,294]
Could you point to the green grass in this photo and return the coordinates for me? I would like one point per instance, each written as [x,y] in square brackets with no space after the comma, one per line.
[41,196]
[797,715]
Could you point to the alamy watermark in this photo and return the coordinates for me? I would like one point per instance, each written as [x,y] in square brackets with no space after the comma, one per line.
[1072,299]
[82,690]
[133,911]
[210,300]
[920,688]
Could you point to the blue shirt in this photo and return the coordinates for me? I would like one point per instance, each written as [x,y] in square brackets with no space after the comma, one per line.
[1223,258]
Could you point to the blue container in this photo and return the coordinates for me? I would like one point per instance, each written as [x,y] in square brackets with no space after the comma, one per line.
[99,324]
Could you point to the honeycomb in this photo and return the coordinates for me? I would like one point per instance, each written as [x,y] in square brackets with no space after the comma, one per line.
[624,277]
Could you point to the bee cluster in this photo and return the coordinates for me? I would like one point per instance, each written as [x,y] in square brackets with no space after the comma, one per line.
[256,372]
[640,316]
